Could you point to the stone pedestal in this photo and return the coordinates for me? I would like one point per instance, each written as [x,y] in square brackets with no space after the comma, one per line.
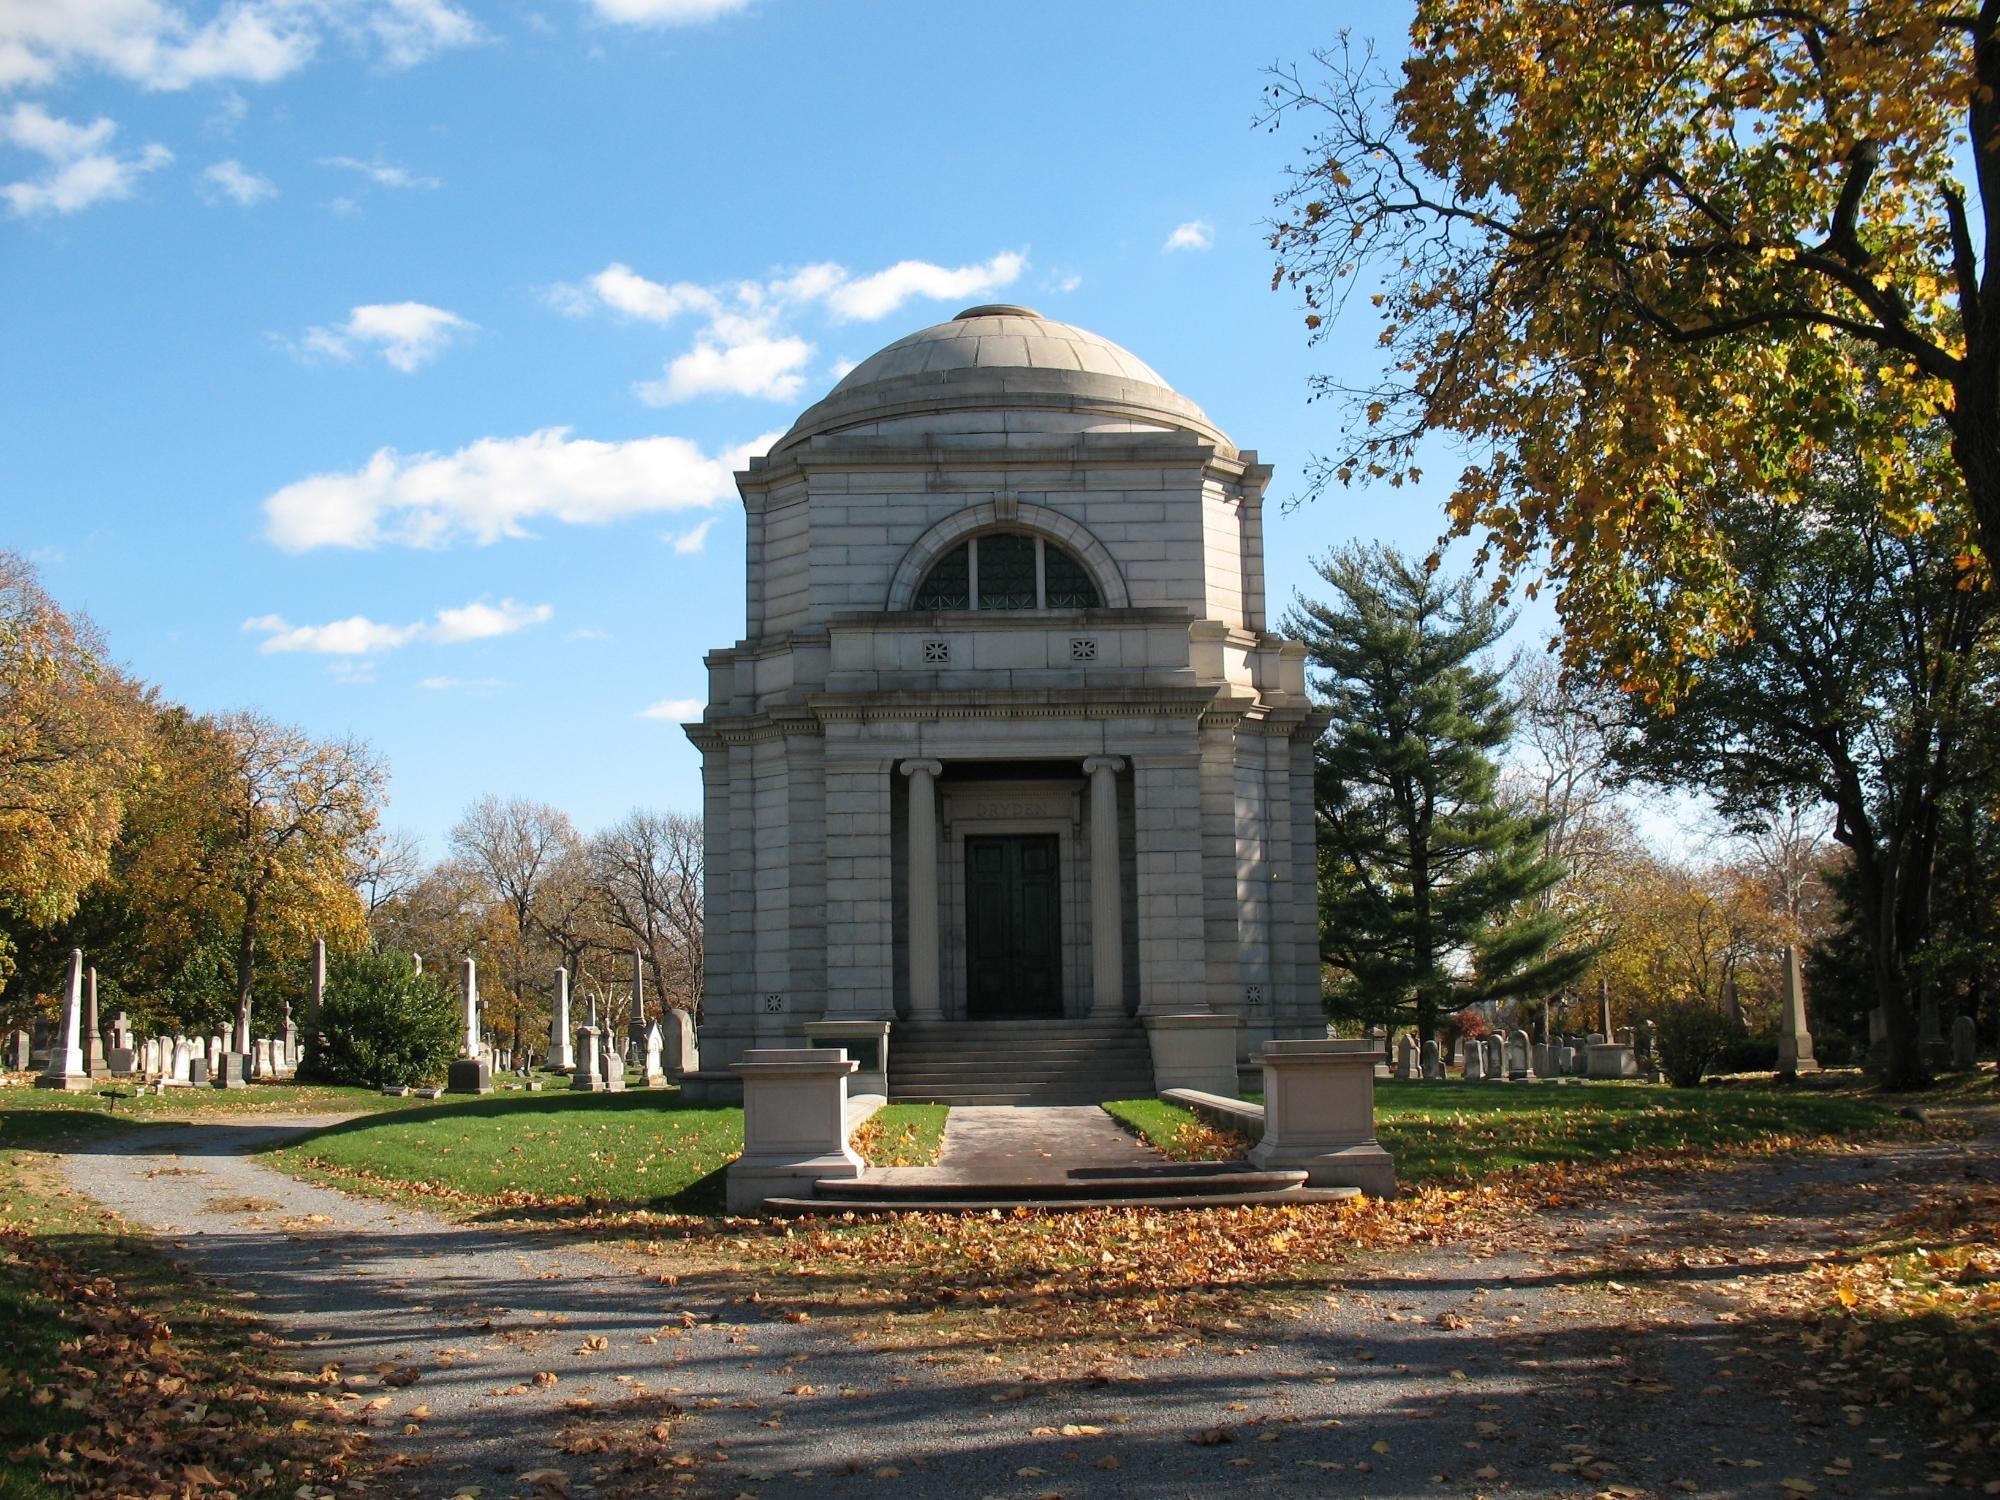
[1611,1060]
[472,1073]
[863,1041]
[1319,1115]
[794,1124]
[1198,1052]
[588,1073]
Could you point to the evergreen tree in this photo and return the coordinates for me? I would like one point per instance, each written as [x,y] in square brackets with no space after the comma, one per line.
[1427,879]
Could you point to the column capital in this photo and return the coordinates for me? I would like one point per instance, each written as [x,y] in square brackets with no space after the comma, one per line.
[1092,764]
[932,768]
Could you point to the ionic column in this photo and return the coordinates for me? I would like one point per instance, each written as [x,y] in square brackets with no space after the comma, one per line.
[925,1004]
[1107,927]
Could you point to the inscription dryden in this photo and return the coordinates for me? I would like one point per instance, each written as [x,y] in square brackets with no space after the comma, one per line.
[1014,807]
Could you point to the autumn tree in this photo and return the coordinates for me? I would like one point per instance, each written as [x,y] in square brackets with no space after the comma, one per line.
[1428,880]
[515,847]
[1642,257]
[299,816]
[1861,685]
[71,748]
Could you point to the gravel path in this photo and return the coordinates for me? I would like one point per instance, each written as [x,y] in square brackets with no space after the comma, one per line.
[1508,1369]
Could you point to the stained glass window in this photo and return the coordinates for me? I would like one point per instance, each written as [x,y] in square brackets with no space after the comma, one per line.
[948,585]
[1014,571]
[1007,571]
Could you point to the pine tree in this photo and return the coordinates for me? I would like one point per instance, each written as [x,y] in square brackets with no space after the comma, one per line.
[1427,879]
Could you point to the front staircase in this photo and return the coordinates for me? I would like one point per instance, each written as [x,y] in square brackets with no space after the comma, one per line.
[1019,1062]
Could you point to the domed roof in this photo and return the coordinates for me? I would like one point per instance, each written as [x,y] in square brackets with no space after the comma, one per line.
[1003,356]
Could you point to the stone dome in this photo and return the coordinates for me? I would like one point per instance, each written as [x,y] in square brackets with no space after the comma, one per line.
[1002,358]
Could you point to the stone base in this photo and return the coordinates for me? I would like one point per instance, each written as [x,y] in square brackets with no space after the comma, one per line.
[470,1075]
[233,1073]
[1612,1060]
[586,1083]
[395,1091]
[69,1083]
[614,1085]
[1367,1166]
[750,1181]
[1193,1052]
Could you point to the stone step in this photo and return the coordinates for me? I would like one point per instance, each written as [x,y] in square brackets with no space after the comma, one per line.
[1168,1180]
[1021,1067]
[821,1207]
[1050,1095]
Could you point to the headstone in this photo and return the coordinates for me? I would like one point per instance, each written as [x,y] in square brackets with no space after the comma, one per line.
[18,1048]
[40,1037]
[562,1058]
[1433,1061]
[1520,1056]
[681,1050]
[1878,1037]
[198,1071]
[65,1069]
[121,1030]
[1795,1043]
[1379,1035]
[231,1072]
[1649,1053]
[1406,1059]
[1964,1044]
[180,1063]
[93,1038]
[1936,1051]
[471,1073]
[1475,1062]
[1545,1060]
[655,1069]
[612,1062]
[589,1070]
[1496,1059]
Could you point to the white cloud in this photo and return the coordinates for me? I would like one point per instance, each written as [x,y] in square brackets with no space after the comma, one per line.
[762,367]
[1064,282]
[1196,234]
[587,633]
[665,12]
[408,334]
[678,710]
[497,487]
[745,346]
[382,173]
[159,45]
[694,539]
[358,635]
[879,295]
[81,168]
[232,180]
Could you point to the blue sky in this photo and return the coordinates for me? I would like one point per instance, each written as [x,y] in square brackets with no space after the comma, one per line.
[380,363]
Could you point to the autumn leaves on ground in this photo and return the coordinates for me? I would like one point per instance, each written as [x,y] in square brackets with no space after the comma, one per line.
[125,1381]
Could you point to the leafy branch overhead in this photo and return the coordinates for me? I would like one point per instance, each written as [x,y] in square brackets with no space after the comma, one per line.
[1636,255]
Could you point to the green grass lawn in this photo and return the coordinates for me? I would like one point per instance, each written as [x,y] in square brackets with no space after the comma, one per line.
[121,1102]
[639,1149]
[1457,1130]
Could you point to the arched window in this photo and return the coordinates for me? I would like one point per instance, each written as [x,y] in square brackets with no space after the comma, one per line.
[1007,570]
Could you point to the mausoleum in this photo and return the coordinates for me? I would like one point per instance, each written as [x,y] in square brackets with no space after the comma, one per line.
[1008,758]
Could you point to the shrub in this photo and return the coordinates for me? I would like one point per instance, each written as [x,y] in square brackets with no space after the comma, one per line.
[1691,1036]
[1749,1054]
[382,1024]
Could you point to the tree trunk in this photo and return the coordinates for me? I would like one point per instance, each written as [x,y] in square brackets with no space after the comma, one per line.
[246,964]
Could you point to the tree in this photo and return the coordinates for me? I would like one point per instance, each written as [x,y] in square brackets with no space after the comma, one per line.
[71,748]
[1866,675]
[390,868]
[647,871]
[1641,257]
[515,847]
[382,1023]
[1428,881]
[300,813]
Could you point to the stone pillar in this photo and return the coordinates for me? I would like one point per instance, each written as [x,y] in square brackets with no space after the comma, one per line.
[1319,1115]
[1107,907]
[1795,1043]
[794,1124]
[315,985]
[1604,1007]
[472,1073]
[636,1023]
[561,1056]
[926,1003]
[93,1040]
[65,1069]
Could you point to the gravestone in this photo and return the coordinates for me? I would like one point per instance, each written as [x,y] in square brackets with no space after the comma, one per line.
[1433,1061]
[1379,1035]
[611,1062]
[1931,1043]
[655,1042]
[18,1048]
[180,1064]
[1520,1055]
[681,1050]
[65,1068]
[1496,1059]
[1964,1044]
[562,1056]
[230,1071]
[197,1071]
[471,1073]
[1795,1043]
[40,1036]
[1406,1059]
[121,1030]
[1475,1062]
[589,1070]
